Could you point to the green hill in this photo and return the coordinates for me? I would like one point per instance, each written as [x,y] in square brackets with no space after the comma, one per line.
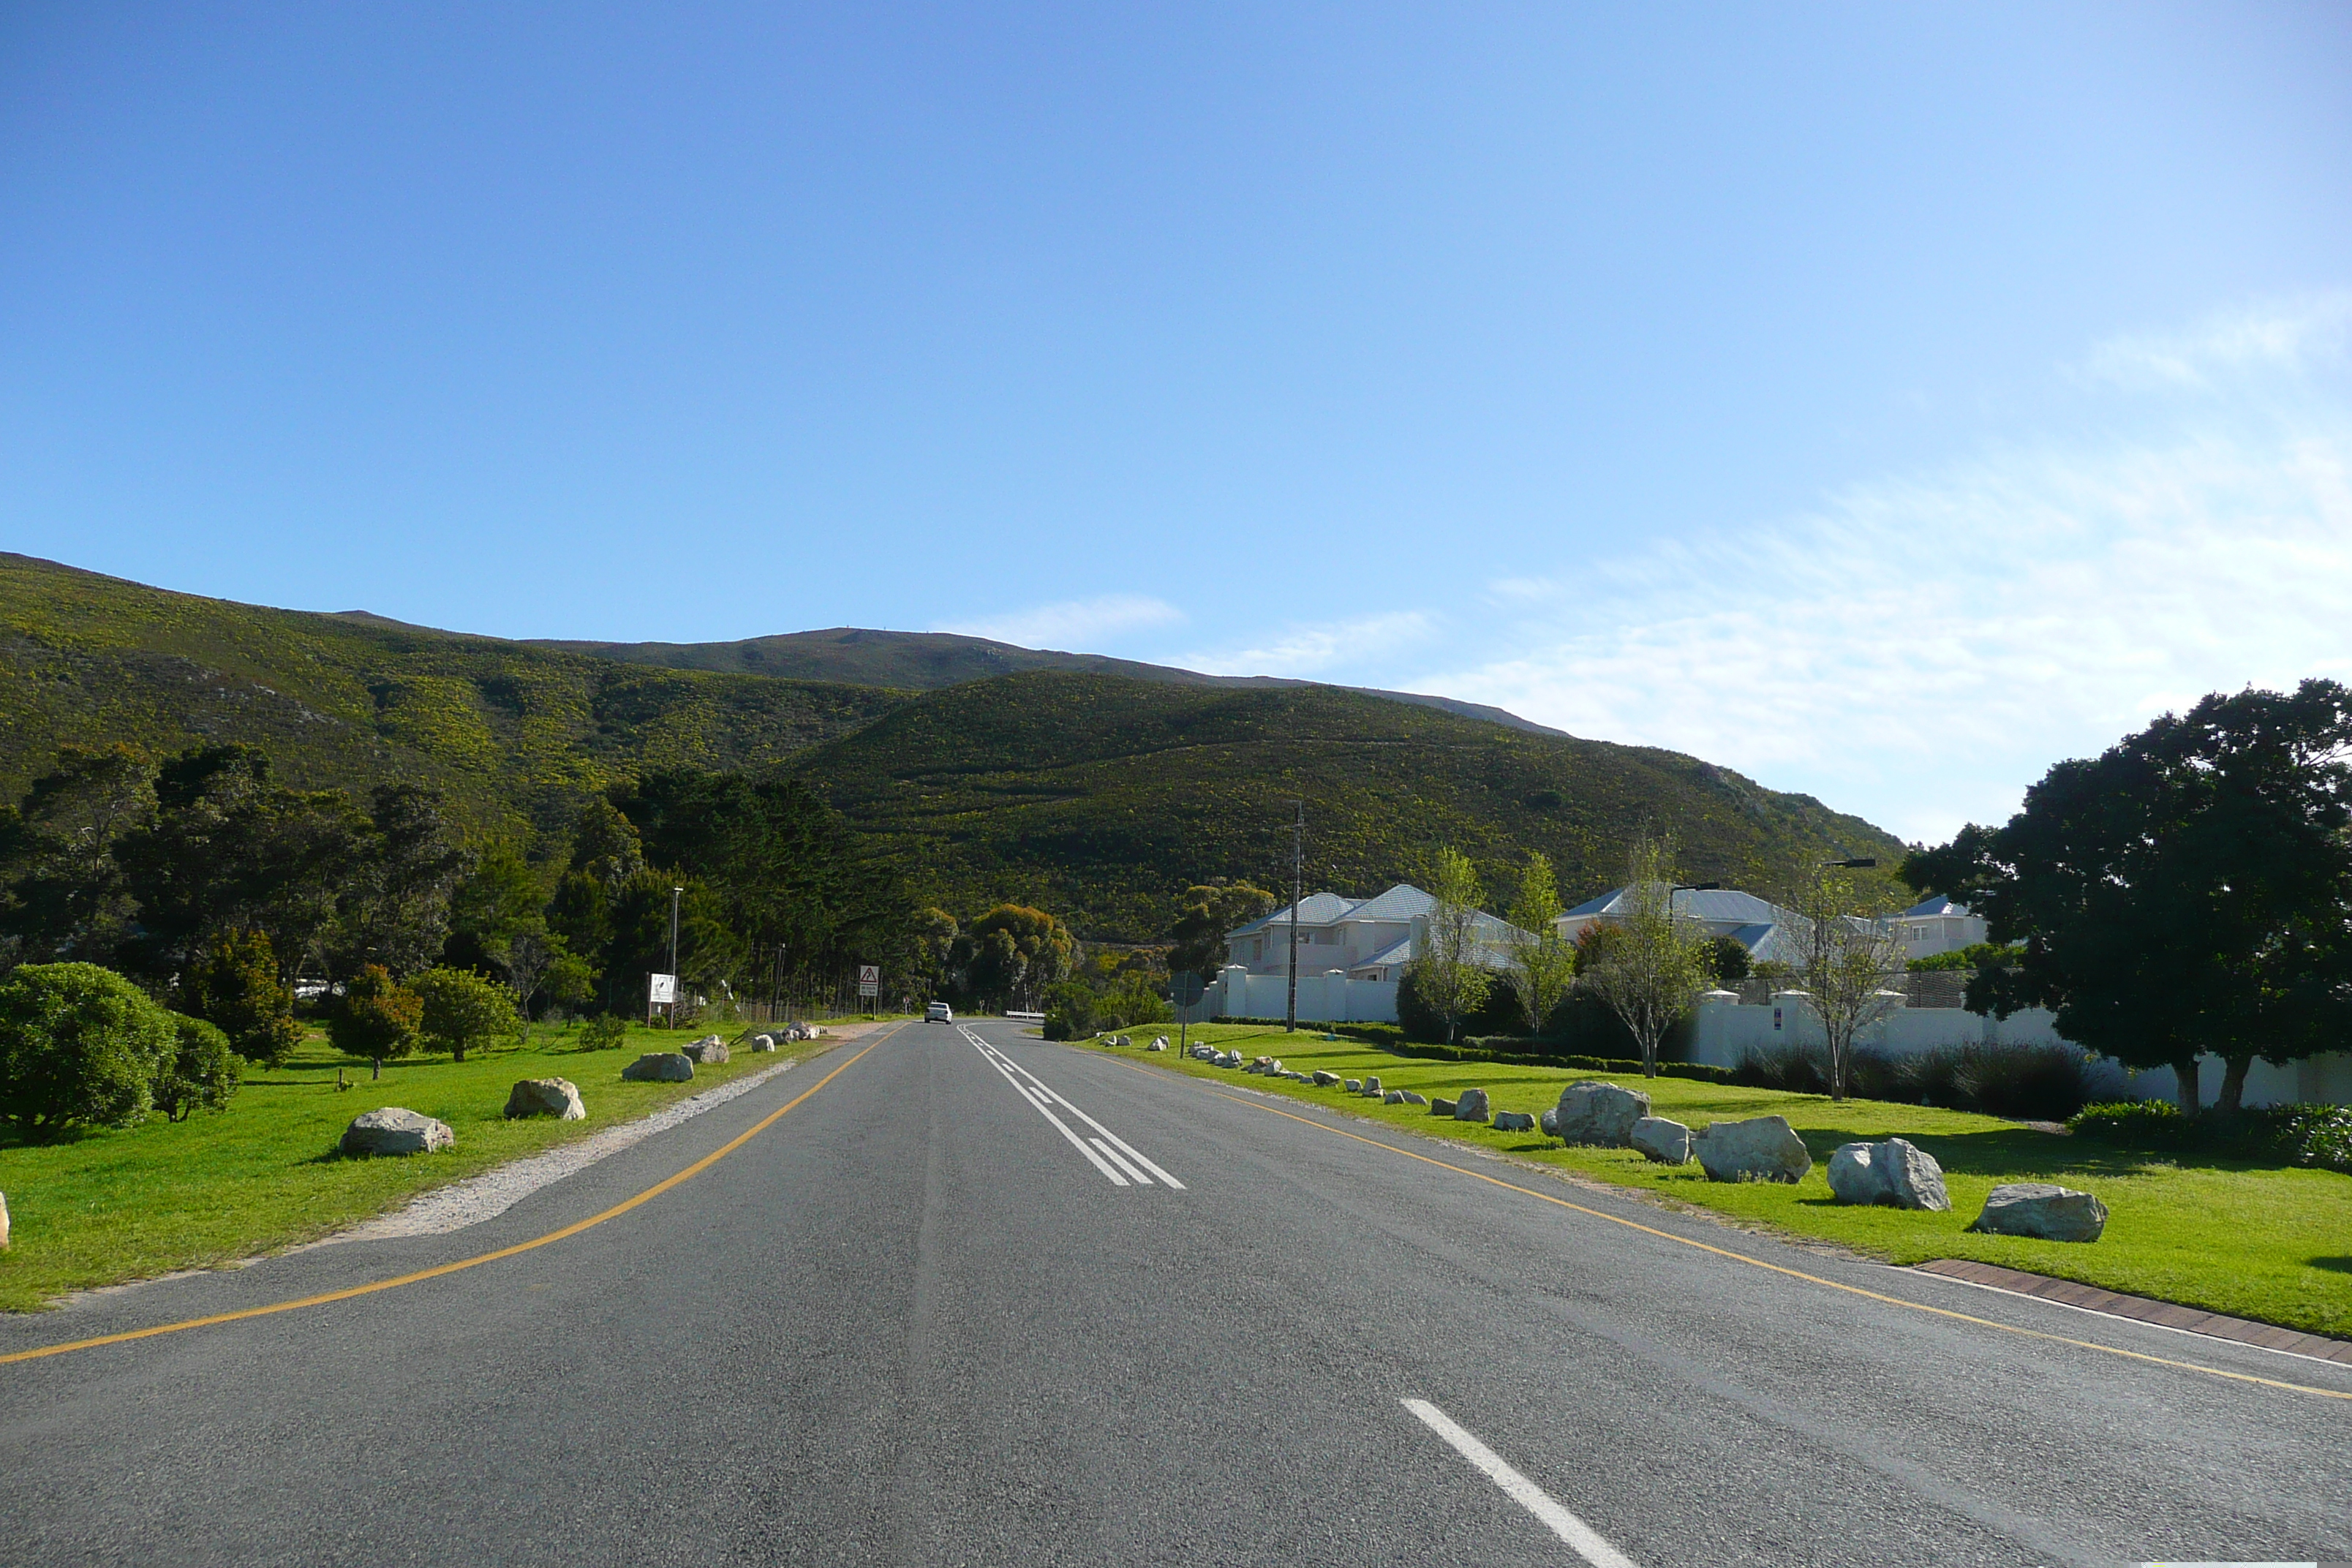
[512,733]
[928,661]
[1099,797]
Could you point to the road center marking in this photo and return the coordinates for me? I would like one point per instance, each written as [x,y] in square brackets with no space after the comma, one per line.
[1581,1538]
[1113,1156]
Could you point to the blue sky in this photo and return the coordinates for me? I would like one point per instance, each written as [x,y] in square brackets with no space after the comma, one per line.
[1886,401]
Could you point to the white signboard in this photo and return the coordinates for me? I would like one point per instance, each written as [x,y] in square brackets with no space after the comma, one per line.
[869,988]
[870,973]
[662,989]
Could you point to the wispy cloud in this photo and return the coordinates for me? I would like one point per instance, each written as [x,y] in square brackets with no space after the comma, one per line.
[1364,642]
[1919,650]
[1072,624]
[2282,334]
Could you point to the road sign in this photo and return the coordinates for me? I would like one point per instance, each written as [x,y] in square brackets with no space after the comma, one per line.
[661,989]
[1185,988]
[870,989]
[870,973]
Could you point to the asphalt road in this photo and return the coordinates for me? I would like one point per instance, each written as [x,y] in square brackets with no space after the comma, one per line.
[919,1320]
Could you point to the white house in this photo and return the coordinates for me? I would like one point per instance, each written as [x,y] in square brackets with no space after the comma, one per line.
[1764,929]
[1936,925]
[1351,952]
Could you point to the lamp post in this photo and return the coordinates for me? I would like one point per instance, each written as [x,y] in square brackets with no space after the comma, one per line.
[1297,891]
[675,894]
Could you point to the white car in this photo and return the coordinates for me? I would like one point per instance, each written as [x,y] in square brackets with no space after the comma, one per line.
[939,1012]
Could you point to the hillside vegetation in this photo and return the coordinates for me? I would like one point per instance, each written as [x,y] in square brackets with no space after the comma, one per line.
[1098,797]
[512,734]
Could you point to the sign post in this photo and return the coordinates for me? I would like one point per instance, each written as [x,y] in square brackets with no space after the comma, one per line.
[1184,989]
[870,981]
[661,991]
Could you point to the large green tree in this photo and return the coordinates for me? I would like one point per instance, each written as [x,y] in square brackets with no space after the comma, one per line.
[79,1047]
[2187,890]
[1206,912]
[1449,970]
[1649,965]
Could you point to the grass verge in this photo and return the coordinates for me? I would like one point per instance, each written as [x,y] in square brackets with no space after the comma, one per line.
[133,1202]
[2252,1240]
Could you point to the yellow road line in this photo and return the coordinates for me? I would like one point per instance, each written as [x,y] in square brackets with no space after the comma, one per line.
[436,1272]
[1758,1262]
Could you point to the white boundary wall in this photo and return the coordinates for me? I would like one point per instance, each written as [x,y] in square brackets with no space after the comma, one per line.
[1724,1031]
[1328,998]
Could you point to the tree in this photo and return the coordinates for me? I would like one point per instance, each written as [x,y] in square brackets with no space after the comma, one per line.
[1848,958]
[1728,960]
[2187,890]
[1541,970]
[395,909]
[65,896]
[1651,962]
[79,1047]
[461,1010]
[378,1017]
[1447,967]
[200,1072]
[234,987]
[1015,953]
[503,895]
[1206,912]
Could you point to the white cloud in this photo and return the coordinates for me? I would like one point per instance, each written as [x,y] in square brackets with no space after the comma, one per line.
[1301,650]
[2282,334]
[1076,623]
[1920,649]
[1523,590]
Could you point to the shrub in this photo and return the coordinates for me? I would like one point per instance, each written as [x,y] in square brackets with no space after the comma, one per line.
[1070,1009]
[79,1047]
[461,1010]
[377,1019]
[1498,1014]
[2315,1135]
[2023,1083]
[201,1072]
[603,1032]
[234,986]
[2139,1123]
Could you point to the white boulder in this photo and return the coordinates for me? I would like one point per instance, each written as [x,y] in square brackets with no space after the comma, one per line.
[1514,1121]
[1599,1113]
[1895,1173]
[4,1222]
[1371,1089]
[1472,1106]
[396,1129]
[764,1042]
[1326,1079]
[660,1067]
[710,1050]
[556,1097]
[2041,1209]
[1548,1120]
[1761,1149]
[1667,1142]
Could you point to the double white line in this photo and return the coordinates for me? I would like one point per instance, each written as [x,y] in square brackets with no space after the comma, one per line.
[1111,1154]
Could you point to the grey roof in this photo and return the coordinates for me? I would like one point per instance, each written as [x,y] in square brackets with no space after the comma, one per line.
[1941,904]
[1402,902]
[1714,906]
[1395,952]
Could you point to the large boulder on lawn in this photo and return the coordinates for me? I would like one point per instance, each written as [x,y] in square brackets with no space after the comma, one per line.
[764,1042]
[1599,1113]
[1667,1142]
[1405,1096]
[1761,1149]
[710,1050]
[1371,1089]
[660,1067]
[1514,1121]
[556,1097]
[1472,1106]
[1325,1079]
[2044,1210]
[1548,1120]
[396,1129]
[1441,1106]
[1895,1173]
[4,1222]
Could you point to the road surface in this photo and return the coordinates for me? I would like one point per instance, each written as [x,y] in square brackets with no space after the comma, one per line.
[983,1299]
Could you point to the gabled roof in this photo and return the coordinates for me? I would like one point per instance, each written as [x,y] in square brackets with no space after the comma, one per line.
[1941,904]
[1712,905]
[1395,952]
[1314,910]
[1402,902]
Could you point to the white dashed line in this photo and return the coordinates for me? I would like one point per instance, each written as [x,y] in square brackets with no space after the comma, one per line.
[1580,1537]
[1113,1156]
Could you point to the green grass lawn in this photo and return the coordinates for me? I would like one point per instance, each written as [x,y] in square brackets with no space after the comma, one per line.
[2255,1241]
[133,1202]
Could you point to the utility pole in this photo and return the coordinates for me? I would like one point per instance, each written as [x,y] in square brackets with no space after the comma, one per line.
[675,894]
[1297,884]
